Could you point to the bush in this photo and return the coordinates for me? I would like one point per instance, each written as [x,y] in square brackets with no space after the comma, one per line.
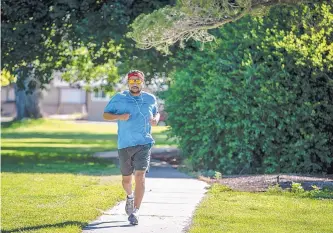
[261,98]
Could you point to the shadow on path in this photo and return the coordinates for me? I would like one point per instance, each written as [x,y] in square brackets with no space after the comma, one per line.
[161,169]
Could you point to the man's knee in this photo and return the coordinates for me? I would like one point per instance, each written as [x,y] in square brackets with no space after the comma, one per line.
[127,179]
[140,176]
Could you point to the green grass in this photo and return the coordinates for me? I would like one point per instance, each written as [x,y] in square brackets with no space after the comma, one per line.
[50,181]
[224,210]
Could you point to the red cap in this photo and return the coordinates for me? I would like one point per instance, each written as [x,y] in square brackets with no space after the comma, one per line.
[137,74]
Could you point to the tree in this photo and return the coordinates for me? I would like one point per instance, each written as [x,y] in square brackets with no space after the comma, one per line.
[28,98]
[32,33]
[83,37]
[43,32]
[192,19]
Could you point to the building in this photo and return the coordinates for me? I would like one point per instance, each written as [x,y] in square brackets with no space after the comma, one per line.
[62,99]
[58,98]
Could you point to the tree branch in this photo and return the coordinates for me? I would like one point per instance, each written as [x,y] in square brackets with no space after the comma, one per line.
[191,19]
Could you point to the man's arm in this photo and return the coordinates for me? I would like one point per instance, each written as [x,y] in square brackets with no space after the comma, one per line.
[156,117]
[154,120]
[114,117]
[110,111]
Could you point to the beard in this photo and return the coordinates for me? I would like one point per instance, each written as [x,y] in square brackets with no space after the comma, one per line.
[135,90]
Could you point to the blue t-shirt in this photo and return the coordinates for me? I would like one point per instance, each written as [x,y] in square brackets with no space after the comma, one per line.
[137,129]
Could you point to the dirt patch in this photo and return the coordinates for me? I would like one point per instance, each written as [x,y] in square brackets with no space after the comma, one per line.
[260,183]
[254,183]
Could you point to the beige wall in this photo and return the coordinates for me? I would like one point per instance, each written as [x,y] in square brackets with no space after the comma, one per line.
[49,104]
[96,108]
[51,96]
[51,109]
[3,93]
[7,107]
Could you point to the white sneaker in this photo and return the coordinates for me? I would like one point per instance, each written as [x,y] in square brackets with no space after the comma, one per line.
[134,217]
[129,207]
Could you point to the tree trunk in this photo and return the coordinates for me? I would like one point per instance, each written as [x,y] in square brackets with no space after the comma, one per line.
[28,99]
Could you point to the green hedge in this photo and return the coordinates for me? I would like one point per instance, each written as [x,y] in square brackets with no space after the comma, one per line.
[259,99]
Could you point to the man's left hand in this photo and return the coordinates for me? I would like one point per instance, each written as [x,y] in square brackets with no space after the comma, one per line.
[153,121]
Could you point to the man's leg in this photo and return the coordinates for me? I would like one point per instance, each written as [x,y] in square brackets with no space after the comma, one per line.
[141,161]
[127,184]
[126,168]
[139,188]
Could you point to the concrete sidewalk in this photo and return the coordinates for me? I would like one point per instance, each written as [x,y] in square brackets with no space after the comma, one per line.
[169,202]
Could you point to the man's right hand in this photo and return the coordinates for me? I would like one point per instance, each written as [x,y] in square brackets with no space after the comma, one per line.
[124,117]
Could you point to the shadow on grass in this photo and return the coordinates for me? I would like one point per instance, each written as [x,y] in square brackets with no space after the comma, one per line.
[60,135]
[26,152]
[54,150]
[31,229]
[16,124]
[160,138]
[53,163]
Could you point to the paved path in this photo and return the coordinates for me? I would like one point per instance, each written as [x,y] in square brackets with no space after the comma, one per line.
[168,204]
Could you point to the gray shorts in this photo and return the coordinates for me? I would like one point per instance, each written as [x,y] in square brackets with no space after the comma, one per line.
[134,158]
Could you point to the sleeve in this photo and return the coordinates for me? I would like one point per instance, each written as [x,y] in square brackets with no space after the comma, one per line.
[111,107]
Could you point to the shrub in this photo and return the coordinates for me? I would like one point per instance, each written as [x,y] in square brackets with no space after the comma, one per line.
[261,98]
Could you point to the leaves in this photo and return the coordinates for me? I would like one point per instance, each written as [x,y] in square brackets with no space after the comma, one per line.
[44,33]
[191,19]
[6,78]
[255,102]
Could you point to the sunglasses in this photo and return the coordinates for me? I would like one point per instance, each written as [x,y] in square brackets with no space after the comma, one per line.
[134,81]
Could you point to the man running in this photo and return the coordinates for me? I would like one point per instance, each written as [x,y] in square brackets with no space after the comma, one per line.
[135,111]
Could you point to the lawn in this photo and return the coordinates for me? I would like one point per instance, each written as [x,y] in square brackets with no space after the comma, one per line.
[224,210]
[50,181]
